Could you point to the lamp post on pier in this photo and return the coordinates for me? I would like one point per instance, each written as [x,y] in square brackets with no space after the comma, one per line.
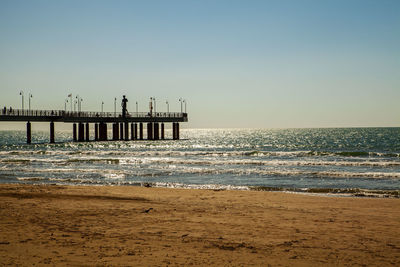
[21,93]
[155,110]
[102,105]
[115,107]
[185,104]
[180,100]
[70,96]
[136,108]
[167,106]
[29,97]
[151,107]
[77,101]
[65,104]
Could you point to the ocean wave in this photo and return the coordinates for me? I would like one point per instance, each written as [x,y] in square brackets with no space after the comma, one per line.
[251,153]
[358,192]
[31,178]
[77,181]
[294,173]
[298,158]
[94,160]
[169,167]
[205,162]
[341,192]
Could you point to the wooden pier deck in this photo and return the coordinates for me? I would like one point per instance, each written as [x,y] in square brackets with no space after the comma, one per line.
[127,126]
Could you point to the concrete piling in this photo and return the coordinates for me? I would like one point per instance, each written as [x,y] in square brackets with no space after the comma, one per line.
[81,132]
[103,131]
[115,132]
[141,131]
[96,132]
[174,130]
[126,133]
[74,132]
[162,131]
[132,131]
[52,132]
[121,131]
[156,131]
[136,136]
[28,132]
[150,131]
[87,132]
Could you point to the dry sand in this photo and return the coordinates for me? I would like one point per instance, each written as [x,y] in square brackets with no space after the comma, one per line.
[78,225]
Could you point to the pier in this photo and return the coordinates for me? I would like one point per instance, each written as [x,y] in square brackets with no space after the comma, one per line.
[125,126]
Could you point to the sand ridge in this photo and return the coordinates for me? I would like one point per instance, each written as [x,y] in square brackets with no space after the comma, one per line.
[132,226]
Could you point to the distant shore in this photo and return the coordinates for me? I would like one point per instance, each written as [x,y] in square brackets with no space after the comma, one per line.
[119,226]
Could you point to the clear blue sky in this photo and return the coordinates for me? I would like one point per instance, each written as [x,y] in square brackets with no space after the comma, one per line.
[241,63]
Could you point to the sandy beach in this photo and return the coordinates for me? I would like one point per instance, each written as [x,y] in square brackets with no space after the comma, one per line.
[137,226]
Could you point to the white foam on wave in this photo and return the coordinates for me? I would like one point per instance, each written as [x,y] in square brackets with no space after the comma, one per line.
[114,175]
[118,151]
[199,186]
[212,161]
[297,172]
[173,169]
[30,178]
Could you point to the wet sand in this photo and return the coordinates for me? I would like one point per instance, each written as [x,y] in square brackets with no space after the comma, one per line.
[137,226]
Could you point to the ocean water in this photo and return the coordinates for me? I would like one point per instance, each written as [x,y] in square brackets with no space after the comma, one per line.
[342,160]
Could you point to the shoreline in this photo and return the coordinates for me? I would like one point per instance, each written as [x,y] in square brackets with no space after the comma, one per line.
[123,225]
[329,192]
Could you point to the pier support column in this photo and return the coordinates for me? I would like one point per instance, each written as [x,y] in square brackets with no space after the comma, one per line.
[115,132]
[52,132]
[173,131]
[87,132]
[96,132]
[141,131]
[28,133]
[149,131]
[177,131]
[132,131]
[126,133]
[81,132]
[103,131]
[156,131]
[74,132]
[162,131]
[135,128]
[121,131]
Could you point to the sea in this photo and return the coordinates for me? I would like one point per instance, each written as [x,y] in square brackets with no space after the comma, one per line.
[335,161]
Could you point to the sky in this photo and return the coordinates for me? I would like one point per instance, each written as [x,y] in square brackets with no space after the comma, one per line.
[238,64]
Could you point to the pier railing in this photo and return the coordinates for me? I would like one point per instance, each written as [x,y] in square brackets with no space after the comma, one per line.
[87,114]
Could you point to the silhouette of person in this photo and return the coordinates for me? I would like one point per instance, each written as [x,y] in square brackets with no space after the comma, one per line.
[124,110]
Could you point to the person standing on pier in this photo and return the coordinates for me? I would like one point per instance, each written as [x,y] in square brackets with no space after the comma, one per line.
[124,109]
